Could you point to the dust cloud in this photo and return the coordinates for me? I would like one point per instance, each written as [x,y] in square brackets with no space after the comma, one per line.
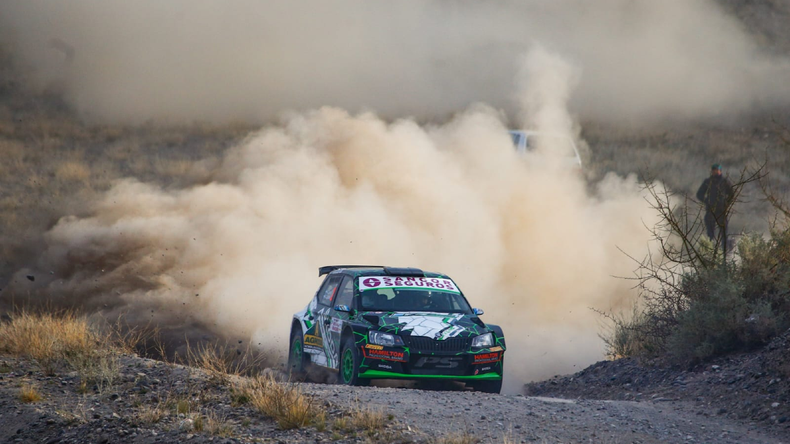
[642,60]
[345,178]
[527,241]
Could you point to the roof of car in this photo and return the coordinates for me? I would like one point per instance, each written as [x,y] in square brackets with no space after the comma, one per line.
[374,270]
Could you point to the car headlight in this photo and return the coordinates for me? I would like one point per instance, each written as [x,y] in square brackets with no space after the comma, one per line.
[483,341]
[385,339]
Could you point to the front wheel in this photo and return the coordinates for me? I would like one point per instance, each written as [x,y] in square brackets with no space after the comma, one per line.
[488,386]
[297,364]
[350,360]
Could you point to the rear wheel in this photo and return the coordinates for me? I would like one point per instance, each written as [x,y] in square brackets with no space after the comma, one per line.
[348,371]
[297,360]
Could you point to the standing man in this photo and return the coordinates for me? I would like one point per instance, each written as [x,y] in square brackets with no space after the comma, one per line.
[717,194]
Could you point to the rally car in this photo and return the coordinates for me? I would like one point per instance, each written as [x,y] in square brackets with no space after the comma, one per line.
[529,142]
[373,322]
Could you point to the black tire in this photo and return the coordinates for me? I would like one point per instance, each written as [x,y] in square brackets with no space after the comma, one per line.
[297,359]
[348,367]
[488,386]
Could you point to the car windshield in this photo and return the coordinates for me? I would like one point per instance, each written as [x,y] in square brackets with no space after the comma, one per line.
[413,299]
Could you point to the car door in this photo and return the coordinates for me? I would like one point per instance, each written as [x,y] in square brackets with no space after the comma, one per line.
[326,322]
[345,296]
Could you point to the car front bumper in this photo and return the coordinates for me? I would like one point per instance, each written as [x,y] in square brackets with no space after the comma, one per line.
[401,363]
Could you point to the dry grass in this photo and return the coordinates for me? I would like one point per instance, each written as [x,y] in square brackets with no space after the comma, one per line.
[49,339]
[218,425]
[223,360]
[29,394]
[63,339]
[149,415]
[283,402]
[368,420]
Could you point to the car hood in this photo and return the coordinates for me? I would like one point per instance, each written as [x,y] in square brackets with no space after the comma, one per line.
[438,326]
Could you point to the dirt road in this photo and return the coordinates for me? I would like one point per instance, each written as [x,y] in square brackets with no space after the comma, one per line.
[153,402]
[517,418]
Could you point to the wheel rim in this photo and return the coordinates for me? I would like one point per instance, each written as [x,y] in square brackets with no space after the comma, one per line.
[348,365]
[296,354]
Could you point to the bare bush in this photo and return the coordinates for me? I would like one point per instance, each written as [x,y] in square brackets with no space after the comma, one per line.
[694,301]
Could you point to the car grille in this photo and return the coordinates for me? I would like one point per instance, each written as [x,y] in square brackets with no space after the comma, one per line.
[422,344]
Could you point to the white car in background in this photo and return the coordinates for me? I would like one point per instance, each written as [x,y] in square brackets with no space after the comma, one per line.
[527,142]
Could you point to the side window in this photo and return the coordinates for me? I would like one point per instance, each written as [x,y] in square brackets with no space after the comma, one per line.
[346,296]
[329,290]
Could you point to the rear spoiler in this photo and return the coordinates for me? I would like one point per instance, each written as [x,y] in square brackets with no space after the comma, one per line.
[330,268]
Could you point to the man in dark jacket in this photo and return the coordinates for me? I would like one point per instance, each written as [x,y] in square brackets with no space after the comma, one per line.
[717,194]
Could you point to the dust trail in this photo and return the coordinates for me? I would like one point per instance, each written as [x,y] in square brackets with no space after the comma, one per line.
[526,241]
[643,60]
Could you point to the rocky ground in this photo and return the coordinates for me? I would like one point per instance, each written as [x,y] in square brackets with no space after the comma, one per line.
[690,406]
[750,387]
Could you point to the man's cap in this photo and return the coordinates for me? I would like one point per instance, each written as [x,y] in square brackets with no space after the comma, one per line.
[716,166]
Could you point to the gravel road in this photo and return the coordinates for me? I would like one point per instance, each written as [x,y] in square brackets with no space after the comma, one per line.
[414,415]
[518,418]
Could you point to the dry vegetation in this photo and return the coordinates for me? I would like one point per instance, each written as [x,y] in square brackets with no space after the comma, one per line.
[697,303]
[283,402]
[61,342]
[28,393]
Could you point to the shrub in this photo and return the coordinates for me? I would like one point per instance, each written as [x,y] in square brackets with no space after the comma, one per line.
[696,303]
[29,394]
[283,402]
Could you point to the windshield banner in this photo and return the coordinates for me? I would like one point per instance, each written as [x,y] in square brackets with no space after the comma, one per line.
[374,282]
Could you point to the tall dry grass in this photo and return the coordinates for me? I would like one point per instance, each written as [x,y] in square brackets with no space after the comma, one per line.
[29,394]
[48,339]
[283,402]
[63,340]
[222,360]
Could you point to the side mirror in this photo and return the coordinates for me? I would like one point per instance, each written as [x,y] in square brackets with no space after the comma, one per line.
[478,311]
[343,308]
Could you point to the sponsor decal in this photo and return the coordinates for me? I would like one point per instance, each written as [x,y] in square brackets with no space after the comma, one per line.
[391,355]
[388,367]
[438,362]
[485,358]
[369,283]
[337,324]
[485,369]
[315,341]
[432,325]
[374,347]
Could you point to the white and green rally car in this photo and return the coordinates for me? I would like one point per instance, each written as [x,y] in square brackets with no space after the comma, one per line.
[371,322]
